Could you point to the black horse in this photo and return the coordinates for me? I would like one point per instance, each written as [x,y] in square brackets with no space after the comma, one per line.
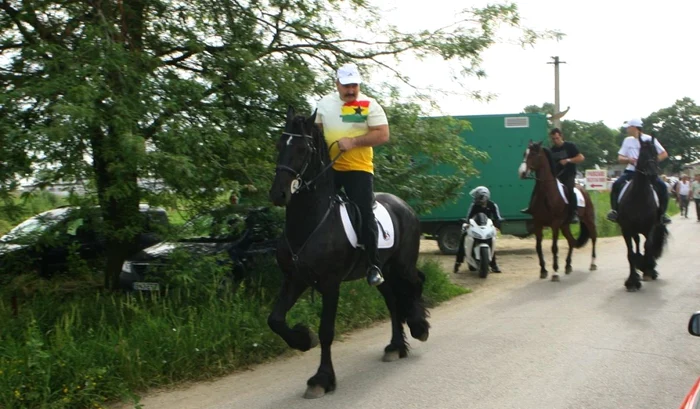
[315,252]
[639,214]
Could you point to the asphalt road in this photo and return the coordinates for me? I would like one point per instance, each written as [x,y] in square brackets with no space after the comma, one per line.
[583,342]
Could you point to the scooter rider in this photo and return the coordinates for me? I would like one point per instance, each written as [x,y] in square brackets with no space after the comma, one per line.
[483,204]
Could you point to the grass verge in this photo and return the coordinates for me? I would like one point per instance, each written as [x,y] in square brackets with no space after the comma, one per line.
[84,348]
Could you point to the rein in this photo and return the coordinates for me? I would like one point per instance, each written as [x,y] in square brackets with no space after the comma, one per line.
[300,183]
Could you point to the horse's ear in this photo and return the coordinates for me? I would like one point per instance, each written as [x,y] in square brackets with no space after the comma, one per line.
[290,114]
[311,121]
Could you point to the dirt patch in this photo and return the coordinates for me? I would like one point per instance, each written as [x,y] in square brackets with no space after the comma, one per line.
[517,259]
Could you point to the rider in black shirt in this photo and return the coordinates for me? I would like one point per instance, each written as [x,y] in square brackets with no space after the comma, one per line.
[565,156]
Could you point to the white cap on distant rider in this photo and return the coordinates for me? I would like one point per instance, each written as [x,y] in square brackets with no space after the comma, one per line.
[349,74]
[633,122]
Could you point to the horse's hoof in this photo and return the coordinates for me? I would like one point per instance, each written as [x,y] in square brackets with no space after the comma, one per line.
[543,274]
[633,287]
[593,267]
[555,277]
[646,277]
[424,336]
[314,392]
[391,356]
[568,270]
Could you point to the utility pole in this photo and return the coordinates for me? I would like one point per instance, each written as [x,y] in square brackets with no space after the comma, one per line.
[557,113]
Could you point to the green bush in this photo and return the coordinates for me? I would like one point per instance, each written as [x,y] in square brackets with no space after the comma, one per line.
[80,349]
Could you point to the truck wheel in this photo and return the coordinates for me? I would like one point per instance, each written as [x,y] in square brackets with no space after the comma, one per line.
[448,239]
[484,262]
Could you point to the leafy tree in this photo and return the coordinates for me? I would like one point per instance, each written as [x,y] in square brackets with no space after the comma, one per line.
[678,130]
[188,93]
[546,108]
[594,139]
[402,167]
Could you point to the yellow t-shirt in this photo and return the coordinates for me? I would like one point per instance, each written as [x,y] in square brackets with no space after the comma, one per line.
[352,119]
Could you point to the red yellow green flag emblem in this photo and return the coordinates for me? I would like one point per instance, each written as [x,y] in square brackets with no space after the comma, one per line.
[355,111]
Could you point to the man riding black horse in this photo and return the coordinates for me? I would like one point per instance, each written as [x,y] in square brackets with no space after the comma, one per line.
[565,155]
[628,154]
[353,123]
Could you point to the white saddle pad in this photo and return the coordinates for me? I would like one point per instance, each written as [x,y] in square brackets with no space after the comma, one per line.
[580,201]
[624,189]
[385,228]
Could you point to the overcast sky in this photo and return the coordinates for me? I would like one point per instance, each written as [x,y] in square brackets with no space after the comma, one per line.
[623,58]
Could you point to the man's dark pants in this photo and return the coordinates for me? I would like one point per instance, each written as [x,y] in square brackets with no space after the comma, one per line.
[359,187]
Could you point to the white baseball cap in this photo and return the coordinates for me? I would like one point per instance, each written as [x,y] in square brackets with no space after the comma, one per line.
[349,74]
[633,122]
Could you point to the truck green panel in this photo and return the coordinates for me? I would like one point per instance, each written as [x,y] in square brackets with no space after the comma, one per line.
[504,137]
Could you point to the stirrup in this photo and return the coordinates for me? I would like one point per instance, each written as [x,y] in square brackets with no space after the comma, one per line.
[665,219]
[374,276]
[526,210]
[612,216]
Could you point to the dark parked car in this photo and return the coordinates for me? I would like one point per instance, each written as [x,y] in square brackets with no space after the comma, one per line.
[45,242]
[234,240]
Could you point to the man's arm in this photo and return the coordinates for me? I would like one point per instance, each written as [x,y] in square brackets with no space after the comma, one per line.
[470,211]
[576,159]
[496,222]
[662,156]
[377,135]
[625,160]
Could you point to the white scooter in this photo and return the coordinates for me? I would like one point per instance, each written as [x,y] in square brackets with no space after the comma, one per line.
[478,244]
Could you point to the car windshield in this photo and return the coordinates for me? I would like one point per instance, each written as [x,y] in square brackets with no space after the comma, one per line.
[217,225]
[35,225]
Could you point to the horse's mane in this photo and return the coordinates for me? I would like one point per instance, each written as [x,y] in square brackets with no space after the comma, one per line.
[321,158]
[548,155]
[647,153]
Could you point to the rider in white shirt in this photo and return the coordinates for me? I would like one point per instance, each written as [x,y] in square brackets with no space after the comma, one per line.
[629,153]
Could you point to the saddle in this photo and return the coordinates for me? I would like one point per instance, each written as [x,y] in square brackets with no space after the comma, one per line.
[580,201]
[629,183]
[352,222]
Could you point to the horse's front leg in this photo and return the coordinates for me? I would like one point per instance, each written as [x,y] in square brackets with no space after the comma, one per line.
[632,283]
[324,380]
[397,348]
[636,244]
[555,252]
[300,337]
[566,230]
[538,247]
[648,264]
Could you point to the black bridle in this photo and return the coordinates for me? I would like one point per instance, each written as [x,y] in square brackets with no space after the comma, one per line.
[310,152]
[532,172]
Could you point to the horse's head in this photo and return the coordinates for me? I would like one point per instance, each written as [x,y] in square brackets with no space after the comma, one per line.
[301,149]
[532,159]
[647,162]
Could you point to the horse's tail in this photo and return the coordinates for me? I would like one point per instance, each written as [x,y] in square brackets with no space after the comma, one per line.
[656,242]
[583,236]
[585,233]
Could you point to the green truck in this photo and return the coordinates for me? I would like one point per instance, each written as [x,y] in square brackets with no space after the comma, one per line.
[504,138]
